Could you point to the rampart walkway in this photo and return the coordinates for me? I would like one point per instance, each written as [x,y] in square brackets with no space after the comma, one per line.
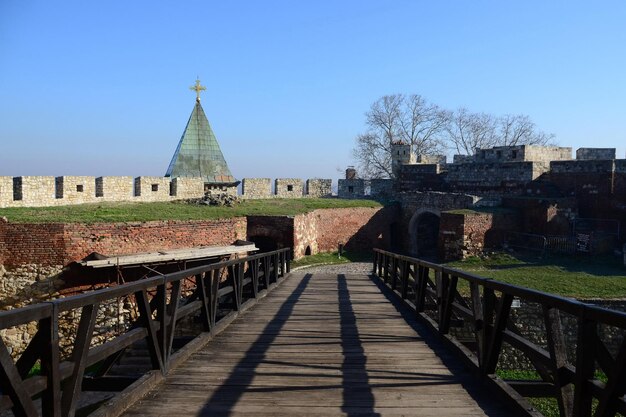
[321,344]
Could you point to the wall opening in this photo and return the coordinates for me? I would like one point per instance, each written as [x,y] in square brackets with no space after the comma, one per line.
[424,234]
[290,187]
[264,243]
[155,187]
[307,251]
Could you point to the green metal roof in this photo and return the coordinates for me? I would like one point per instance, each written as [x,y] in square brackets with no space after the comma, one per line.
[198,154]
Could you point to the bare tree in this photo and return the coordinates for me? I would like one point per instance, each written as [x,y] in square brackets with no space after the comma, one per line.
[520,130]
[410,119]
[468,131]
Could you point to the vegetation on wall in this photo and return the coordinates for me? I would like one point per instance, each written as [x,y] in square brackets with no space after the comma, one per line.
[177,210]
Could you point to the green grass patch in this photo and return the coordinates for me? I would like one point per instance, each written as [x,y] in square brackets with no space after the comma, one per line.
[579,277]
[175,210]
[332,258]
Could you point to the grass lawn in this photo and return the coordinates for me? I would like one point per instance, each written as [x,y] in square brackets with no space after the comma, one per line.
[579,277]
[176,210]
[332,258]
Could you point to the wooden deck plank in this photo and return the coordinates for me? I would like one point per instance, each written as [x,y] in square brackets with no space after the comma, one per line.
[320,345]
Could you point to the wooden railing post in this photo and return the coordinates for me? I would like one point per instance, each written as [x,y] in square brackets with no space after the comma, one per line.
[585,365]
[558,360]
[50,365]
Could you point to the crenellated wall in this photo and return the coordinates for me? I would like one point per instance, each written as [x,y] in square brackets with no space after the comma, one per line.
[317,187]
[288,188]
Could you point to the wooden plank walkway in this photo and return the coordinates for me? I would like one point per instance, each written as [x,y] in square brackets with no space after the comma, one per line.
[321,345]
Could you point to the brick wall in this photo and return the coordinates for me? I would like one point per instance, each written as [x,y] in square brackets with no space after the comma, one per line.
[60,244]
[464,234]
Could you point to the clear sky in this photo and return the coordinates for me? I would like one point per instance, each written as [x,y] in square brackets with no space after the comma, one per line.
[101,87]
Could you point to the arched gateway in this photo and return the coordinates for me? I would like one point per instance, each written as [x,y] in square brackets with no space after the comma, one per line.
[424,233]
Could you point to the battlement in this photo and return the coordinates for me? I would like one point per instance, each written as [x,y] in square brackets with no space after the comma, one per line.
[44,191]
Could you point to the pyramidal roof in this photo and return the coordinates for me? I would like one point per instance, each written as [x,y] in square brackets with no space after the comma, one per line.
[198,154]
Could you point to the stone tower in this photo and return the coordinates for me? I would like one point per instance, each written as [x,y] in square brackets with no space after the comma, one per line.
[400,155]
[198,154]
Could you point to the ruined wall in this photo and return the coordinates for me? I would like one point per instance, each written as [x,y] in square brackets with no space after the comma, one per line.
[354,188]
[187,187]
[317,187]
[288,188]
[420,177]
[51,244]
[256,187]
[466,233]
[595,153]
[358,229]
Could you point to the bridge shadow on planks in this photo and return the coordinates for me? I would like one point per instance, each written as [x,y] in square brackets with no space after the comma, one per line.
[320,345]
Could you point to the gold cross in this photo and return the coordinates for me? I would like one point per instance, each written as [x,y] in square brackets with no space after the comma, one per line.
[197,88]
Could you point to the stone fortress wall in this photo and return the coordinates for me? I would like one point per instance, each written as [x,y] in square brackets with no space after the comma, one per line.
[501,170]
[46,191]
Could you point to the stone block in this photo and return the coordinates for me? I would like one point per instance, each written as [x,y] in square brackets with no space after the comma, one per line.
[114,188]
[595,153]
[75,190]
[6,192]
[256,188]
[381,188]
[34,191]
[288,188]
[351,188]
[152,189]
[317,187]
[187,187]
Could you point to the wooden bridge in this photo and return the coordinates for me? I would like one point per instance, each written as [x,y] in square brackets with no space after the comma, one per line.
[271,342]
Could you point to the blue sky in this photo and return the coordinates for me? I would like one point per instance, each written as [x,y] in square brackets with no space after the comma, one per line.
[101,88]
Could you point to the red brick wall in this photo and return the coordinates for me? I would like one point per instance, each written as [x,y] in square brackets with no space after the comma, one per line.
[466,234]
[60,244]
[359,229]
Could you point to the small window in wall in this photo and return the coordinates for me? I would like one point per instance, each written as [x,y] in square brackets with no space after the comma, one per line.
[498,154]
[350,189]
[398,152]
[514,154]
[290,187]
[79,188]
[307,251]
[404,153]
[155,187]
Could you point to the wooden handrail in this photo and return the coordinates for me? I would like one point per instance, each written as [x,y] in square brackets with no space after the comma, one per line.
[161,306]
[572,382]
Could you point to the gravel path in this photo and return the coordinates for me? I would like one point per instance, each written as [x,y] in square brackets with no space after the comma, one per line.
[357,268]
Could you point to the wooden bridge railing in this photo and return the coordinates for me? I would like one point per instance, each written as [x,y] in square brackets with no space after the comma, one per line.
[432,290]
[218,291]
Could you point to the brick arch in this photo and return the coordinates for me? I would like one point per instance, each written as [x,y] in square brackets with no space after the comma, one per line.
[414,225]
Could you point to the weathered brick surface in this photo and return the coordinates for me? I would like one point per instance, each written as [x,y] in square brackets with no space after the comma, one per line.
[62,243]
[359,229]
[466,234]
